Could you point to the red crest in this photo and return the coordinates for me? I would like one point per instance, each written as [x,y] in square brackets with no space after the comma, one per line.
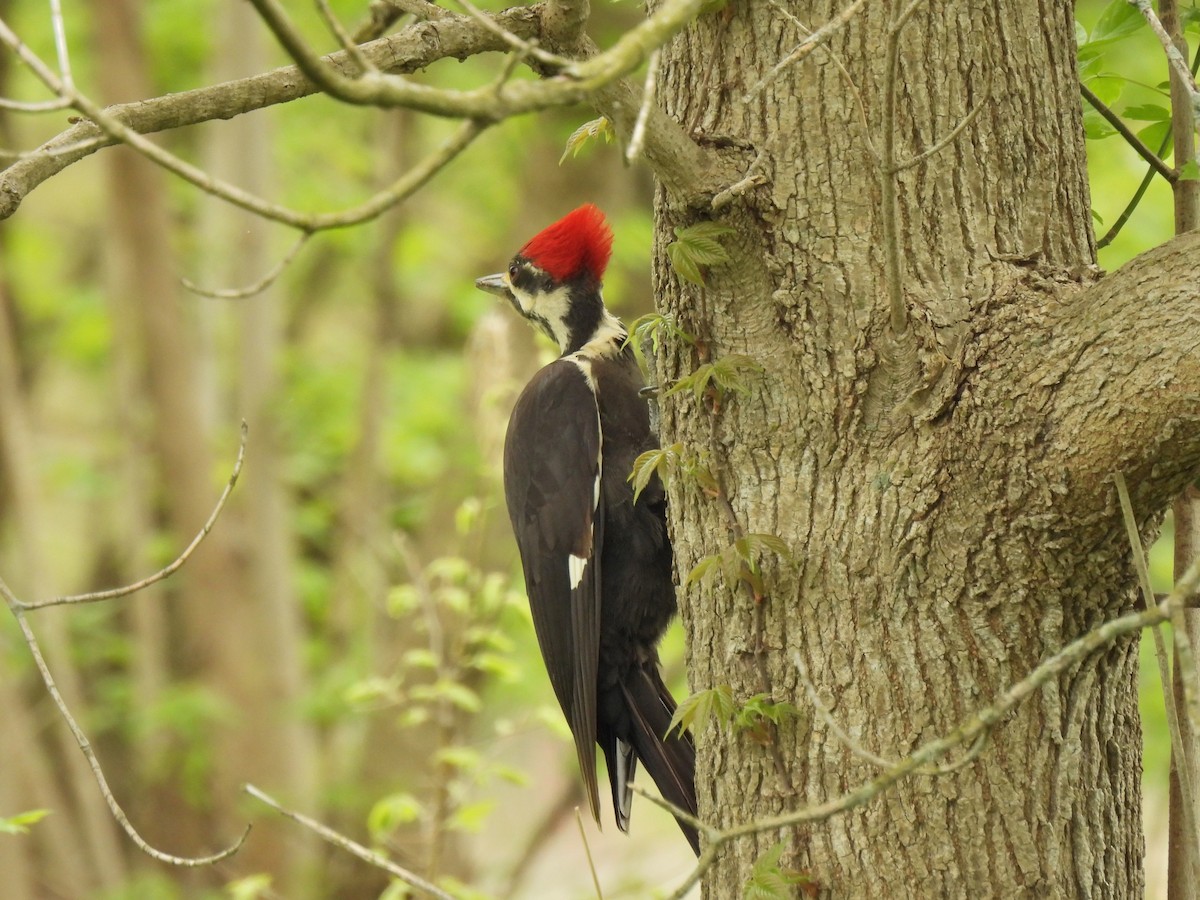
[580,242]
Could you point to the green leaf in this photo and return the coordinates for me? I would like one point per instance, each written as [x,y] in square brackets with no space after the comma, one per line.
[1154,136]
[683,263]
[419,658]
[702,569]
[1190,171]
[751,545]
[698,246]
[596,128]
[653,462]
[1107,88]
[1148,112]
[1095,126]
[250,888]
[392,811]
[759,709]
[19,824]
[462,758]
[472,817]
[701,706]
[770,882]
[1119,20]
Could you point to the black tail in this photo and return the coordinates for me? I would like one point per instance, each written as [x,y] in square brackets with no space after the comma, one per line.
[671,761]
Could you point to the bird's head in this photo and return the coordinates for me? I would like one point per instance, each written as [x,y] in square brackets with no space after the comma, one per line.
[554,280]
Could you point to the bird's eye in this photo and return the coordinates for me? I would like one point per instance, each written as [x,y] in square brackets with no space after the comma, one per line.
[512,271]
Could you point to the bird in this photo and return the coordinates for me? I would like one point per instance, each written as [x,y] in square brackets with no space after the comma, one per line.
[597,560]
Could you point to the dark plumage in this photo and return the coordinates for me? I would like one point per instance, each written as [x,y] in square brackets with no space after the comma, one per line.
[597,565]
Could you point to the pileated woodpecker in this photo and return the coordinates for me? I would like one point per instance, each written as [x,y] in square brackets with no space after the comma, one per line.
[597,564]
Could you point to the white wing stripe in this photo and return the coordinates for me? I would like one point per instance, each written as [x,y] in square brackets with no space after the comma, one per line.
[575,568]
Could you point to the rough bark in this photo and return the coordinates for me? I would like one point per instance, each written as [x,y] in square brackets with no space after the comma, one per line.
[945,491]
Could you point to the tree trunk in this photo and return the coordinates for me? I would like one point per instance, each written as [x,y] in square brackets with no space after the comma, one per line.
[944,486]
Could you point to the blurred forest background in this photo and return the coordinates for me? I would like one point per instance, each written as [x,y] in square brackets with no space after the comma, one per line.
[353,636]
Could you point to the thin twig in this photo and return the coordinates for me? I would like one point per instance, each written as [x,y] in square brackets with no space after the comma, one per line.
[639,126]
[973,729]
[343,37]
[34,106]
[60,42]
[846,76]
[17,608]
[339,840]
[113,593]
[1130,138]
[889,213]
[1174,58]
[529,48]
[257,287]
[826,716]
[949,138]
[588,852]
[805,47]
[1160,648]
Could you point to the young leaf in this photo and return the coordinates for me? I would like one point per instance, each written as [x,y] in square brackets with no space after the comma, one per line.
[19,824]
[770,882]
[1148,112]
[652,462]
[1190,171]
[702,569]
[697,246]
[1119,19]
[596,128]
[751,545]
[701,706]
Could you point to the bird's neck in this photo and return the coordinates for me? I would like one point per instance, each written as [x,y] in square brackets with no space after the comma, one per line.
[606,339]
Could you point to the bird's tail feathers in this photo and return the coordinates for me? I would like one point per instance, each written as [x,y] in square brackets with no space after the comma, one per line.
[670,759]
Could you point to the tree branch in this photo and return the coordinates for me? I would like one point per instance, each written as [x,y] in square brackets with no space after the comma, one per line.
[972,730]
[352,847]
[1130,138]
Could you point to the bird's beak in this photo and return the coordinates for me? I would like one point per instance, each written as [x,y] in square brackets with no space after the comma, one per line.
[494,284]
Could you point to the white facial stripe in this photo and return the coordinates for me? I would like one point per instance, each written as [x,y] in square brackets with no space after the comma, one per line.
[575,568]
[550,307]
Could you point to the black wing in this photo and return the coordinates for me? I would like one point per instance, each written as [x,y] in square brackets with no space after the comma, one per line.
[552,468]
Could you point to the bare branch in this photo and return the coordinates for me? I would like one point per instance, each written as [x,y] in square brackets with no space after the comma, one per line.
[639,126]
[35,106]
[402,188]
[974,730]
[1179,65]
[334,25]
[128,589]
[588,851]
[806,47]
[582,78]
[257,287]
[529,48]
[18,611]
[448,36]
[948,139]
[1130,138]
[352,847]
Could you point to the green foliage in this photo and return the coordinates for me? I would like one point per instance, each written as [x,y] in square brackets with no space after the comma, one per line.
[252,887]
[768,881]
[654,327]
[669,462]
[599,128]
[718,705]
[741,561]
[696,710]
[725,375]
[696,249]
[392,812]
[19,824]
